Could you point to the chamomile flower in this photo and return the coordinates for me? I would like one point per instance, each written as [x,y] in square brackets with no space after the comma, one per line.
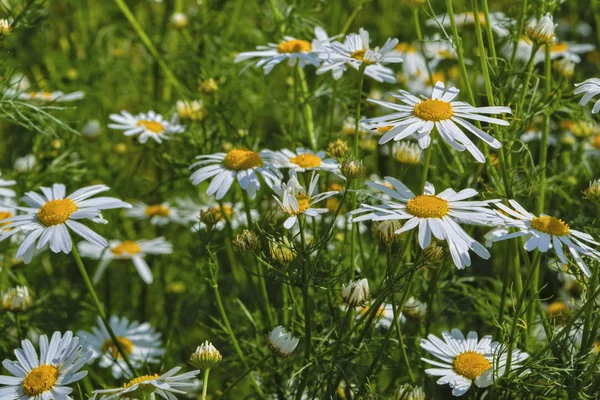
[355,51]
[140,342]
[501,25]
[295,200]
[465,361]
[437,49]
[421,116]
[413,64]
[384,317]
[46,376]
[589,88]
[546,231]
[158,214]
[281,342]
[152,386]
[294,51]
[304,160]
[50,216]
[50,97]
[145,126]
[432,214]
[134,250]
[243,165]
[567,50]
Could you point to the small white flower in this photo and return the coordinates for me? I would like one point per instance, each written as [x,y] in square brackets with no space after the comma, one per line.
[24,164]
[356,293]
[413,64]
[570,51]
[356,51]
[49,215]
[92,129]
[384,316]
[433,214]
[16,299]
[408,392]
[234,213]
[239,164]
[589,88]
[134,250]
[281,342]
[50,96]
[152,386]
[140,342]
[419,117]
[541,31]
[158,214]
[304,160]
[295,200]
[545,231]
[146,126]
[46,376]
[437,49]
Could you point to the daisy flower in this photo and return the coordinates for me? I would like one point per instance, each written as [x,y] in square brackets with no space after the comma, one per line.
[413,64]
[140,342]
[304,160]
[281,342]
[589,88]
[432,214]
[146,126]
[295,200]
[545,231]
[47,376]
[51,96]
[420,116]
[239,164]
[437,49]
[356,51]
[501,25]
[384,317]
[134,250]
[51,213]
[467,361]
[158,214]
[294,51]
[152,386]
[571,51]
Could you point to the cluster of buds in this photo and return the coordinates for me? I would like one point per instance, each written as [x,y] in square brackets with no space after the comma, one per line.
[385,231]
[353,169]
[541,31]
[246,241]
[206,356]
[281,342]
[356,293]
[191,110]
[16,299]
[337,149]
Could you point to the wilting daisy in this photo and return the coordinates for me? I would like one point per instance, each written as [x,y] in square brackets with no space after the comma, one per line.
[47,376]
[146,126]
[545,231]
[50,214]
[158,214]
[413,64]
[467,361]
[304,160]
[501,25]
[51,96]
[281,342]
[589,88]
[134,250]
[294,51]
[295,200]
[356,51]
[239,164]
[152,386]
[140,342]
[419,116]
[432,214]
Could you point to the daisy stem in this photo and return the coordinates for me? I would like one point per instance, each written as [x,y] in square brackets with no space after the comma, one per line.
[332,107]
[306,110]
[426,163]
[544,144]
[18,323]
[92,291]
[307,309]
[205,383]
[243,375]
[529,70]
[520,26]
[361,81]
[489,33]
[415,14]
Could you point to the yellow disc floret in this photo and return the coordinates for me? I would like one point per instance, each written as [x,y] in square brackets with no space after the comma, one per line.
[550,225]
[303,203]
[157,210]
[471,364]
[126,247]
[56,212]
[240,159]
[306,160]
[433,110]
[140,379]
[294,46]
[4,215]
[40,379]
[152,126]
[110,347]
[426,206]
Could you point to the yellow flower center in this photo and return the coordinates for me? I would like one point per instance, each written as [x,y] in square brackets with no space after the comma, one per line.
[303,203]
[306,160]
[558,311]
[46,95]
[360,56]
[240,159]
[4,215]
[56,212]
[226,211]
[157,210]
[426,206]
[433,110]
[140,379]
[550,225]
[126,247]
[596,142]
[40,379]
[405,48]
[152,126]
[379,314]
[294,46]
[471,364]
[558,47]
[110,347]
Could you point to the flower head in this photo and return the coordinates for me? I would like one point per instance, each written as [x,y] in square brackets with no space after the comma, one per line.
[589,88]
[145,126]
[206,356]
[281,342]
[16,299]
[356,293]
[541,31]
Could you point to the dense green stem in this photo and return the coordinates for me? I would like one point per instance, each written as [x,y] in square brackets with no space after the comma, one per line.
[205,383]
[306,110]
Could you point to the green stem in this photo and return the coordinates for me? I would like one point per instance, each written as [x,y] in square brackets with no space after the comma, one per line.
[520,26]
[361,80]
[19,330]
[306,110]
[246,372]
[205,383]
[426,164]
[544,144]
[92,292]
[528,71]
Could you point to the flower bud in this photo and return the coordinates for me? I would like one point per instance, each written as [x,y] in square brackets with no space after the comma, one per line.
[414,309]
[409,392]
[179,20]
[206,356]
[542,31]
[386,231]
[210,217]
[5,27]
[91,129]
[24,164]
[593,192]
[337,149]
[356,293]
[246,241]
[281,342]
[208,86]
[191,110]
[16,299]
[353,169]
[408,153]
[282,251]
[433,254]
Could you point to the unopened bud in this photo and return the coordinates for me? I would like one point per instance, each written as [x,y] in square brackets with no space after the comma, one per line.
[179,20]
[210,217]
[208,86]
[16,299]
[337,149]
[206,356]
[246,241]
[353,169]
[356,293]
[593,192]
[541,31]
[434,253]
[282,251]
[386,230]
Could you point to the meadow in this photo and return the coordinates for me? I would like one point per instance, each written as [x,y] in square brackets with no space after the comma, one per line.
[285,199]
